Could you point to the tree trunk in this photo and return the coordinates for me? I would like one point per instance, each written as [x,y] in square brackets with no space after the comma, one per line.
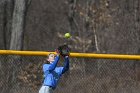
[16,42]
[14,25]
[18,25]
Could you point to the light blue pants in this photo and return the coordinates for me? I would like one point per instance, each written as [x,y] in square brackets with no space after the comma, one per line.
[45,89]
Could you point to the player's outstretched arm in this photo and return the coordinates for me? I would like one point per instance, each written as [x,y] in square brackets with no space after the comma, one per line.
[52,65]
[66,65]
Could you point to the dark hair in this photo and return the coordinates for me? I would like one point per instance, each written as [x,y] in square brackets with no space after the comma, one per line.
[46,62]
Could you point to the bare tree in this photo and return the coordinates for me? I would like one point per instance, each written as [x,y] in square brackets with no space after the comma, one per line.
[14,12]
[18,25]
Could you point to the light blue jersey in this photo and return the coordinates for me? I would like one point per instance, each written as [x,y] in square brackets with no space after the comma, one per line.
[52,73]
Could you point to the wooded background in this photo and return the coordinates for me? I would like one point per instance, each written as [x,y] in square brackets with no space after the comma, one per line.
[96,26]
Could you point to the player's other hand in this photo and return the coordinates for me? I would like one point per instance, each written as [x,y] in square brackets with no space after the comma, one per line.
[57,51]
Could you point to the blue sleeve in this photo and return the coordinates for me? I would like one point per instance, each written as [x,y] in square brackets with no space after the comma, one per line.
[51,66]
[66,65]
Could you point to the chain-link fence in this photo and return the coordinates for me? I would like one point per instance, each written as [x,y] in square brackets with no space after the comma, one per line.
[23,74]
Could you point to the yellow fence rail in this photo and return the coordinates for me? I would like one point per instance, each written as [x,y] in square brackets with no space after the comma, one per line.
[82,55]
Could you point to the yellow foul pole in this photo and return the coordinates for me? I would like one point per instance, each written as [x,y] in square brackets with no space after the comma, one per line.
[80,55]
